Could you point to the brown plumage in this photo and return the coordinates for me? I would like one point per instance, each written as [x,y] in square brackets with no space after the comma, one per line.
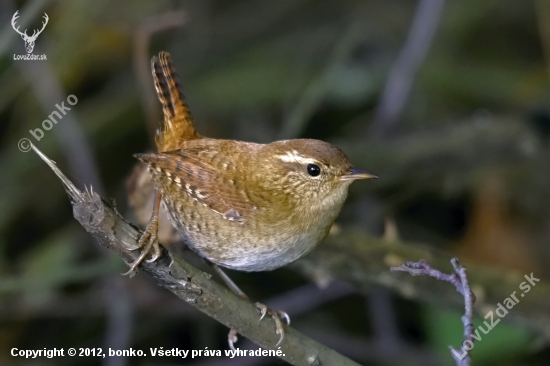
[252,207]
[177,125]
[242,205]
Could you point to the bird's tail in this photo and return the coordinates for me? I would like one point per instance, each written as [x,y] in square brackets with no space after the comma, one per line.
[177,125]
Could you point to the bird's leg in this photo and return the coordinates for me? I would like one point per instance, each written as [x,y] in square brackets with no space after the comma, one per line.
[148,240]
[276,315]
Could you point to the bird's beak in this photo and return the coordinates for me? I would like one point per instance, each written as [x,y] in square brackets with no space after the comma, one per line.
[354,174]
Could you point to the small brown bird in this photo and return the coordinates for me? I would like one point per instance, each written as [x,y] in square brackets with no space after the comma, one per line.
[241,205]
[252,207]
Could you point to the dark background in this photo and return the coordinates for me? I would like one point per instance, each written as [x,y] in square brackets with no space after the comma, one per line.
[462,156]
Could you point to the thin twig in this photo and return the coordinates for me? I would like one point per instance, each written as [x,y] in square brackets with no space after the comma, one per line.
[460,280]
[403,72]
[190,284]
[364,261]
[71,139]
[77,150]
[315,92]
[383,317]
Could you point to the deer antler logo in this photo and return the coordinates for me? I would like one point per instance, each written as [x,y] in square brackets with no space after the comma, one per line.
[29,40]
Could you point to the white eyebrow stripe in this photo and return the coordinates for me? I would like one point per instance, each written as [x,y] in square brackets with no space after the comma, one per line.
[294,157]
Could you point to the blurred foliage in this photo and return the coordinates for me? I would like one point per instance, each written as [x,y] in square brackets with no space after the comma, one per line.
[501,344]
[465,170]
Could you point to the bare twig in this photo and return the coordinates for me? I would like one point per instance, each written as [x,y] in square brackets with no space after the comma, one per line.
[78,152]
[383,317]
[120,319]
[364,261]
[315,92]
[72,141]
[459,279]
[190,284]
[403,72]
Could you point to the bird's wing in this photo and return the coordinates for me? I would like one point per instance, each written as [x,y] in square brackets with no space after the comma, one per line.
[207,175]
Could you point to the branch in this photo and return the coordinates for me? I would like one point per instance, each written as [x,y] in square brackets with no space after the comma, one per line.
[365,261]
[188,283]
[459,279]
[403,72]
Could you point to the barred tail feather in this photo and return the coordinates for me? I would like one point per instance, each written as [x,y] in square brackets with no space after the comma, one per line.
[177,125]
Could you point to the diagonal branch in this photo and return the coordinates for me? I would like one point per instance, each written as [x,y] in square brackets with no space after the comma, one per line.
[188,283]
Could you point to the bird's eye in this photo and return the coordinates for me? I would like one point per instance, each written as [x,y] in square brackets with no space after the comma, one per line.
[313,170]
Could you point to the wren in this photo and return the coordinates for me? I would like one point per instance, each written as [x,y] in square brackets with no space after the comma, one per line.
[252,207]
[241,205]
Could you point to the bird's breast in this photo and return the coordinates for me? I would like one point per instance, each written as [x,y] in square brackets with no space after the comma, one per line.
[251,246]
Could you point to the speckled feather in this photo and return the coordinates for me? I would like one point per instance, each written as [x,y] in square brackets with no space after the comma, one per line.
[194,170]
[226,209]
[242,205]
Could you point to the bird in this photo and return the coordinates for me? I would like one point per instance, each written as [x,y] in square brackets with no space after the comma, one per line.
[240,205]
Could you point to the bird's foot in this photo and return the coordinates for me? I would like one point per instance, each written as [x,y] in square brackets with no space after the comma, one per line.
[232,338]
[149,244]
[276,315]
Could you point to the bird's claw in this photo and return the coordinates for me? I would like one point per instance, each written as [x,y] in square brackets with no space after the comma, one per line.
[285,316]
[232,338]
[276,316]
[147,242]
[263,309]
[157,253]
